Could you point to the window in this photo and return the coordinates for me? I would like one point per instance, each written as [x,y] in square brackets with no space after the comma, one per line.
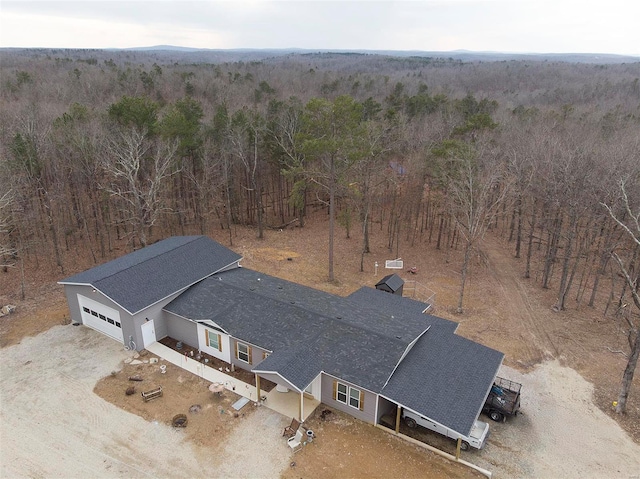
[342,393]
[244,352]
[348,395]
[213,341]
[102,317]
[354,398]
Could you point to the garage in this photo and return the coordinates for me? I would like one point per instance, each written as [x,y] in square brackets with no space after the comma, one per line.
[100,317]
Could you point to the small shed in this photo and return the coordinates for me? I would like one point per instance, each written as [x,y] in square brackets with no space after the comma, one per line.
[391,283]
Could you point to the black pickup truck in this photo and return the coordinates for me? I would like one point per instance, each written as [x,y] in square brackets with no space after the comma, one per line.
[503,399]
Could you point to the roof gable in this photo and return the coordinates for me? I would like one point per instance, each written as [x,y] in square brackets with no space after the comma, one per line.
[144,277]
[452,390]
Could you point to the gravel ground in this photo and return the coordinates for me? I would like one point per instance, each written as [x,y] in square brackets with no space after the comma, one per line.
[560,433]
[53,425]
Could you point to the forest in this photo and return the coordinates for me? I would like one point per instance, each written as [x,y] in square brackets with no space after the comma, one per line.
[99,147]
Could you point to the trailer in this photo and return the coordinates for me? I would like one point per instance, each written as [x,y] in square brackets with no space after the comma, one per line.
[476,438]
[503,399]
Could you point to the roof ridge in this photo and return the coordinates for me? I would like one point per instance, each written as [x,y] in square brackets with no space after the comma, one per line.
[194,238]
[300,306]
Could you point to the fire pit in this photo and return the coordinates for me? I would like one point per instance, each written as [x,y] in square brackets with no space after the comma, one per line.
[179,420]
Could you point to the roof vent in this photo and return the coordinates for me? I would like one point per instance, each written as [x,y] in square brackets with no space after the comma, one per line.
[280,287]
[398,337]
[292,302]
[338,317]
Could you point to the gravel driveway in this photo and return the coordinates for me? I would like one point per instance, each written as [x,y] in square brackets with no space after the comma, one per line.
[560,433]
[52,425]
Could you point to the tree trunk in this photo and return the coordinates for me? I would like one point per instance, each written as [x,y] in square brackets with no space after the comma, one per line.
[519,231]
[527,270]
[564,279]
[332,213]
[440,228]
[463,276]
[552,250]
[627,377]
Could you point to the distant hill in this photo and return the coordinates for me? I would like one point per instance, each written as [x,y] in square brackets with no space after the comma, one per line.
[172,53]
[464,55]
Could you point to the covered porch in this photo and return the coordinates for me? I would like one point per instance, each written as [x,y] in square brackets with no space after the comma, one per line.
[289,404]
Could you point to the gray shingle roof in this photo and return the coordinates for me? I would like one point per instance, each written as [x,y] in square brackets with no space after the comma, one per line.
[402,324]
[393,305]
[144,277]
[393,281]
[301,327]
[360,339]
[445,377]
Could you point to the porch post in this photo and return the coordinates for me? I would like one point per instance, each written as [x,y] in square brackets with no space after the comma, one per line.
[257,388]
[301,407]
[398,412]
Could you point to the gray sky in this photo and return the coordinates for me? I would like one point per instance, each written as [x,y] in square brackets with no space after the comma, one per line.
[541,26]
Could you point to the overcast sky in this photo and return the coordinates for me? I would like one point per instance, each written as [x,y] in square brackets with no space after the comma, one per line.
[525,26]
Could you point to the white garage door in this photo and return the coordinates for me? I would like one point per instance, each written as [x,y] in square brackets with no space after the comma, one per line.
[100,317]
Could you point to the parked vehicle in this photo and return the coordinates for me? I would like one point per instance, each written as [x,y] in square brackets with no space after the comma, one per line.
[503,399]
[476,439]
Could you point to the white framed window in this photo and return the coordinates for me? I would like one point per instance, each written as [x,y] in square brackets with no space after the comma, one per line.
[244,352]
[342,393]
[354,398]
[349,395]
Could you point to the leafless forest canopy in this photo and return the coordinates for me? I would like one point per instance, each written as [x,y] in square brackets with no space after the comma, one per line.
[101,146]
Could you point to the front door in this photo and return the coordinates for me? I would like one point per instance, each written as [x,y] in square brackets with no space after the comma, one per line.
[148,333]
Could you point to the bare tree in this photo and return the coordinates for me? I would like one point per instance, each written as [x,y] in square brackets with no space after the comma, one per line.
[629,220]
[245,132]
[6,249]
[138,169]
[476,187]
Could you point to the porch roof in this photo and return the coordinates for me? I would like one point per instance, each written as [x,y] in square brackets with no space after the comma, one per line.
[446,378]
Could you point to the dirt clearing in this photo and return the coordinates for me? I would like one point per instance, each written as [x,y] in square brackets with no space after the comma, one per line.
[53,425]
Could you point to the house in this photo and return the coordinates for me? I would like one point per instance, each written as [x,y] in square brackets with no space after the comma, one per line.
[368,354]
